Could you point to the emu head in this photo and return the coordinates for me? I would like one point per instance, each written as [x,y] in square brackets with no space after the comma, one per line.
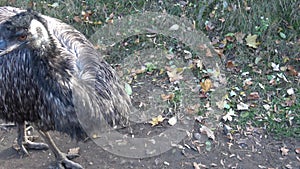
[24,30]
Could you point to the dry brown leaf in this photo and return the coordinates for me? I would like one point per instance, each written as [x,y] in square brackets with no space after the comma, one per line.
[77,19]
[74,150]
[208,132]
[253,96]
[230,64]
[175,74]
[230,38]
[289,102]
[239,37]
[297,150]
[191,109]
[206,85]
[219,52]
[222,19]
[292,71]
[209,26]
[208,53]
[166,97]
[202,46]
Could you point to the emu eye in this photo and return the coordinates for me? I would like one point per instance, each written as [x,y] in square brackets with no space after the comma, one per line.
[22,37]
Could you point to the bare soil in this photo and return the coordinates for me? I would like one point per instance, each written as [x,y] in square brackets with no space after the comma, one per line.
[251,151]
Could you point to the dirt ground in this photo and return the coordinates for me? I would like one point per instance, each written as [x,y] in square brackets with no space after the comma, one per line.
[243,152]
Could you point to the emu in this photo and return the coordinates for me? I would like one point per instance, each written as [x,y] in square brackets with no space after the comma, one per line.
[47,68]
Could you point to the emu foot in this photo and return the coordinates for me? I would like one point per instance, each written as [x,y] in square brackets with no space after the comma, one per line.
[22,146]
[64,161]
[25,142]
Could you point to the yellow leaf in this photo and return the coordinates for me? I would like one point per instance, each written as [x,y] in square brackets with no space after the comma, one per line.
[206,85]
[156,120]
[251,41]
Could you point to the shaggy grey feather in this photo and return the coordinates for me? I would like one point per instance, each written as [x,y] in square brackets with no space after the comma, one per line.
[55,84]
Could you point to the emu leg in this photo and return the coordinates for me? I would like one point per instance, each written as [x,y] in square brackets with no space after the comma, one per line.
[24,142]
[63,160]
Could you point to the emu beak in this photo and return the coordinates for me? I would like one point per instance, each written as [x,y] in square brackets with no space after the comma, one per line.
[7,49]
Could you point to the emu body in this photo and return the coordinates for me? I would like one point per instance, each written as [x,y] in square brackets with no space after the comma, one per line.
[46,68]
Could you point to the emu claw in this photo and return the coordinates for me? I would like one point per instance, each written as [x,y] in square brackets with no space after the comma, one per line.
[71,164]
[27,144]
[64,162]
[36,146]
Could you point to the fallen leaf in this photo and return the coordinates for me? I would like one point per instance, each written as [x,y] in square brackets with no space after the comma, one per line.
[221,104]
[245,73]
[209,26]
[247,82]
[291,71]
[284,151]
[166,97]
[191,109]
[174,27]
[86,15]
[199,63]
[208,53]
[253,96]
[242,106]
[297,150]
[275,66]
[266,106]
[74,151]
[139,71]
[261,86]
[202,47]
[188,54]
[172,121]
[289,102]
[230,37]
[206,85]
[222,19]
[239,37]
[230,64]
[196,166]
[208,132]
[229,115]
[175,74]
[54,5]
[232,93]
[77,19]
[290,91]
[282,35]
[251,41]
[219,52]
[128,89]
[156,120]
[257,60]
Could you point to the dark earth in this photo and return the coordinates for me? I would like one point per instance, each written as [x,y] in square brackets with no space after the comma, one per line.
[251,151]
